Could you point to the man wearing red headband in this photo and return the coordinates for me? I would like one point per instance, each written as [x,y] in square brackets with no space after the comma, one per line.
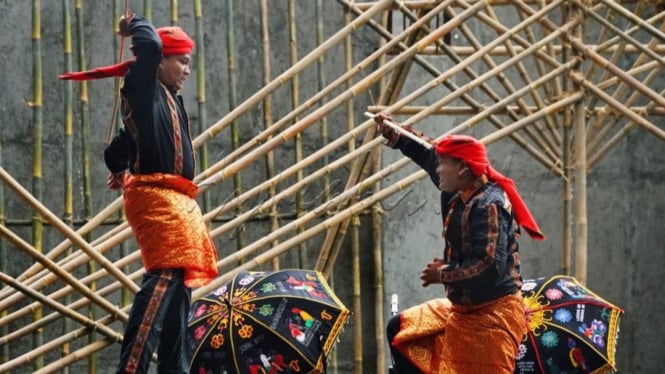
[478,327]
[155,147]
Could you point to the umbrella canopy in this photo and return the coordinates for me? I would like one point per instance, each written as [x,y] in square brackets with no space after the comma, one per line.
[265,322]
[571,329]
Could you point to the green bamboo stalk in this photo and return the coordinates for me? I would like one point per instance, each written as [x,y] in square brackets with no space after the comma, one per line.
[85,135]
[267,121]
[174,15]
[297,140]
[147,9]
[37,177]
[69,146]
[233,102]
[118,46]
[321,84]
[200,86]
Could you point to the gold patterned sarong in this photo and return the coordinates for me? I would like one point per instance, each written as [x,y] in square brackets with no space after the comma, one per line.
[169,227]
[439,337]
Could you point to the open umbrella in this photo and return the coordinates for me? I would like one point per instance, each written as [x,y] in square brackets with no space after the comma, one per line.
[571,329]
[265,323]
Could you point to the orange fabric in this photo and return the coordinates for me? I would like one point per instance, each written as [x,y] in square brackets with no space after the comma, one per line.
[169,227]
[442,338]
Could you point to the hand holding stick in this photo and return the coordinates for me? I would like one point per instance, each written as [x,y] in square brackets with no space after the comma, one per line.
[399,129]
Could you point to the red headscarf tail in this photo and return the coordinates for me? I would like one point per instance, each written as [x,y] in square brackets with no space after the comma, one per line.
[117,70]
[175,41]
[474,154]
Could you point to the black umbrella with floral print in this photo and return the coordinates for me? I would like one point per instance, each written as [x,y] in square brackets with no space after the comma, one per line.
[265,323]
[571,329]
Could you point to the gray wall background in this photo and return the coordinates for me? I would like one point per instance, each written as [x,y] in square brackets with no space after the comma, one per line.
[625,190]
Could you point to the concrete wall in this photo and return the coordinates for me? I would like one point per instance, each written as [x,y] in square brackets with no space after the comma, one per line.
[625,189]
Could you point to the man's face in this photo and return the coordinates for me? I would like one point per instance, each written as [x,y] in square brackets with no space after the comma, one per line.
[449,171]
[173,70]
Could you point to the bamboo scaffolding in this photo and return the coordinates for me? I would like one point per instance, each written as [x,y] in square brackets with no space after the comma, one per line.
[547,143]
[262,138]
[468,99]
[277,82]
[595,137]
[63,275]
[80,318]
[310,119]
[64,229]
[593,159]
[50,318]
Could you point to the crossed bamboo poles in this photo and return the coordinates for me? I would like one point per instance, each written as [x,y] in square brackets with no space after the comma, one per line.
[349,203]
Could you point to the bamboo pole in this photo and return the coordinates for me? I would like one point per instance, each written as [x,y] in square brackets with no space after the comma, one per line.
[147,9]
[233,103]
[174,17]
[267,120]
[37,177]
[201,97]
[297,139]
[3,259]
[552,50]
[68,129]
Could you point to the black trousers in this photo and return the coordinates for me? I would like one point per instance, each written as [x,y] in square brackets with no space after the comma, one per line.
[158,318]
[401,365]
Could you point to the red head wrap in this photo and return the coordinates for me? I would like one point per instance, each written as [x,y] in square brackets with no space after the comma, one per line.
[473,153]
[174,42]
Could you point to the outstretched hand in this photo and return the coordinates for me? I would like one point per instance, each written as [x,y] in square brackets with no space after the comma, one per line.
[432,272]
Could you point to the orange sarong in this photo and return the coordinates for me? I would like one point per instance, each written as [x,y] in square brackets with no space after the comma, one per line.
[169,227]
[439,337]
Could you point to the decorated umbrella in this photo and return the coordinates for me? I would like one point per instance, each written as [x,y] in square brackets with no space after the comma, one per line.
[571,329]
[265,322]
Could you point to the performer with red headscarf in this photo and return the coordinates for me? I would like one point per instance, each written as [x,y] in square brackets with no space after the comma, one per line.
[478,327]
[155,147]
